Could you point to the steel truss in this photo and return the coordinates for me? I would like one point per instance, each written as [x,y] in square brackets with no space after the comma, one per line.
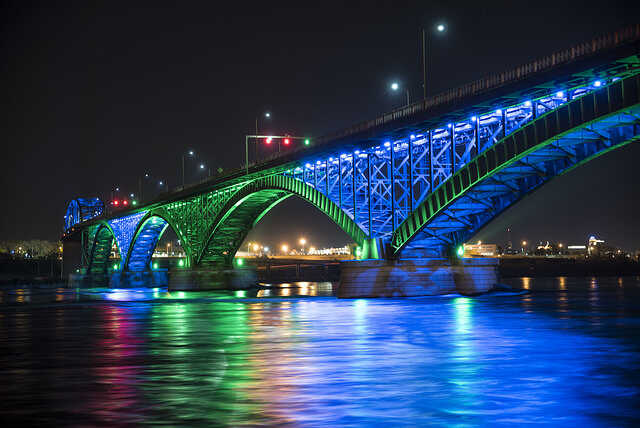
[414,192]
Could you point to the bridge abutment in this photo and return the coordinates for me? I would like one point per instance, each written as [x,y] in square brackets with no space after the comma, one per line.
[418,277]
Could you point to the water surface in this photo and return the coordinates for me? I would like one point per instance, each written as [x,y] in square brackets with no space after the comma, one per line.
[561,351]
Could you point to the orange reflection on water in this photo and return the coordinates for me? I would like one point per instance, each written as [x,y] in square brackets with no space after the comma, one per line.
[526,282]
[562,280]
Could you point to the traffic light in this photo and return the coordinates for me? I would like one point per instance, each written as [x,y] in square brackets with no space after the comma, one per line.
[286,141]
[306,141]
[268,140]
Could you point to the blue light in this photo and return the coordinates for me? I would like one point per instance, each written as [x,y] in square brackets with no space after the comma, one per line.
[448,125]
[473,118]
[330,159]
[357,152]
[318,162]
[597,83]
[499,112]
[343,155]
[387,144]
[413,137]
[527,103]
[308,165]
[560,94]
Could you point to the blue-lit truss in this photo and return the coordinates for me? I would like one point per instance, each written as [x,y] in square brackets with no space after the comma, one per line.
[146,238]
[82,209]
[379,187]
[124,229]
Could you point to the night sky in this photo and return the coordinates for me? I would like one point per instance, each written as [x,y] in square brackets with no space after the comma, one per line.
[97,95]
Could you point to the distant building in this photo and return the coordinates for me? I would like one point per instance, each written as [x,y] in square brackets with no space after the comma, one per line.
[480,250]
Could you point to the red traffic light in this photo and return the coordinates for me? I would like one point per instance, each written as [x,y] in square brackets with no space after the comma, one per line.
[116,202]
[125,202]
[268,140]
[286,141]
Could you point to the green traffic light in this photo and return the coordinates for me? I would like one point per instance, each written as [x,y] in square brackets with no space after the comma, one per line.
[306,141]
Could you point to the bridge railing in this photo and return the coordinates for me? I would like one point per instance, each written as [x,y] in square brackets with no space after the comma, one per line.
[565,56]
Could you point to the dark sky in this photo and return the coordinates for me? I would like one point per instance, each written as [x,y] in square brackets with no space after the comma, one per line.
[97,93]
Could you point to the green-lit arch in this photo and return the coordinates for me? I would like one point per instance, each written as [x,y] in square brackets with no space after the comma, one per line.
[544,134]
[101,244]
[251,202]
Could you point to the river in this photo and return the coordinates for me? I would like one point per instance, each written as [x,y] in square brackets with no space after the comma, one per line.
[559,351]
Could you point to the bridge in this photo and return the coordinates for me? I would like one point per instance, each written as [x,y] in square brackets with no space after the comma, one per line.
[408,187]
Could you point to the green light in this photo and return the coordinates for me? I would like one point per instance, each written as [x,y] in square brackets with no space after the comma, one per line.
[134,202]
[155,265]
[115,267]
[181,263]
[240,262]
[306,141]
[241,293]
[460,251]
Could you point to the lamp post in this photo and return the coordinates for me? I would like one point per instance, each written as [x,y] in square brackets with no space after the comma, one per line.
[190,153]
[396,86]
[426,50]
[303,242]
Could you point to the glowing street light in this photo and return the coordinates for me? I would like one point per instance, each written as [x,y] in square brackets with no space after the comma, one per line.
[303,241]
[426,53]
[285,248]
[190,153]
[395,86]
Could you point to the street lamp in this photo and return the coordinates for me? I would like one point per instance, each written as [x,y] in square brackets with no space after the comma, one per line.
[302,242]
[285,249]
[190,153]
[426,49]
[396,86]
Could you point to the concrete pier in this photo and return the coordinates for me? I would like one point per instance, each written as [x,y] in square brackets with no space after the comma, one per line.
[419,277]
[212,279]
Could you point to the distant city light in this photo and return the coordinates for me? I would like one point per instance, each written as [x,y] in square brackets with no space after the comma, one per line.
[527,103]
[201,166]
[190,152]
[597,83]
[560,94]
[131,195]
[440,28]
[395,86]
[306,141]
[387,143]
[181,263]
[267,114]
[412,137]
[239,262]
[460,251]
[285,248]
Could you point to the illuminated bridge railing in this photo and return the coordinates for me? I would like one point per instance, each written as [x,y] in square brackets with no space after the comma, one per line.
[380,186]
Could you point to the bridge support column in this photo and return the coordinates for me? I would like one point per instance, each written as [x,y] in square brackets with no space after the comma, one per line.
[419,277]
[205,278]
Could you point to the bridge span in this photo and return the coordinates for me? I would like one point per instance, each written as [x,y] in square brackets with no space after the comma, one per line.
[408,187]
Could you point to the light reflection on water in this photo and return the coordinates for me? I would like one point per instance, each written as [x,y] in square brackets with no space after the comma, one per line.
[565,352]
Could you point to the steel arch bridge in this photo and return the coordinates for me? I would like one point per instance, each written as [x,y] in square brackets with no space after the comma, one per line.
[415,182]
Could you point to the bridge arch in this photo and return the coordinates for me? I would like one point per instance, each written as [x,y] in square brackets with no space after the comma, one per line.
[250,203]
[145,239]
[100,245]
[550,145]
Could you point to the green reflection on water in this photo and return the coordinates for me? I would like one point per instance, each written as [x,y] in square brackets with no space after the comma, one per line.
[201,352]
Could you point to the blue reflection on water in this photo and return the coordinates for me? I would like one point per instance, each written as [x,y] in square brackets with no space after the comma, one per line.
[566,353]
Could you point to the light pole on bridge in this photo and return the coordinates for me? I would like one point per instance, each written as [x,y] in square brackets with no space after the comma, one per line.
[190,153]
[426,53]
